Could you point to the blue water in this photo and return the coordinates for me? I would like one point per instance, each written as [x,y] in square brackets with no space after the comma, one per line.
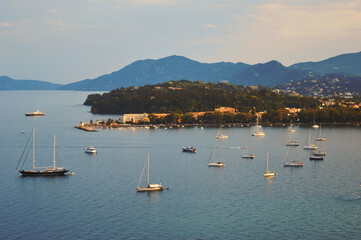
[322,200]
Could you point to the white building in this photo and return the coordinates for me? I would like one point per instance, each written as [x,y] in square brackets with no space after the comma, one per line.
[135,117]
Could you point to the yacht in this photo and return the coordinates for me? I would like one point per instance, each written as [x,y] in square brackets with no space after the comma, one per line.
[41,171]
[35,114]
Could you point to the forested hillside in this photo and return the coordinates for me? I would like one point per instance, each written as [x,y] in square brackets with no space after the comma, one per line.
[186,96]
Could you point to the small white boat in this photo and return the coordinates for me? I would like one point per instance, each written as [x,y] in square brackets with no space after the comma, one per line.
[245,153]
[309,145]
[258,132]
[319,135]
[268,173]
[189,149]
[314,124]
[90,149]
[220,135]
[292,163]
[215,163]
[317,158]
[292,143]
[319,153]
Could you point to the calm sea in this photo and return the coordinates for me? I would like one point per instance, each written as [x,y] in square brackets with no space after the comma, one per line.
[322,200]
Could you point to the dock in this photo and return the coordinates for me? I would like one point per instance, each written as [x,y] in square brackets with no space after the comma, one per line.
[88,129]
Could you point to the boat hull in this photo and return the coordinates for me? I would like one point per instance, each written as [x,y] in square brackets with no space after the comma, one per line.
[216,164]
[34,115]
[248,156]
[293,164]
[310,147]
[317,158]
[44,172]
[269,174]
[191,150]
[150,189]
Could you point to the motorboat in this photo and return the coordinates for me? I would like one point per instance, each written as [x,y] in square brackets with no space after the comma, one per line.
[189,149]
[90,149]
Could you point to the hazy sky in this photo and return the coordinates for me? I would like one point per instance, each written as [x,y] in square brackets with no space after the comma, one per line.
[64,41]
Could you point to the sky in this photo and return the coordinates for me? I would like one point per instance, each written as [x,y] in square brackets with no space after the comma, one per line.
[64,41]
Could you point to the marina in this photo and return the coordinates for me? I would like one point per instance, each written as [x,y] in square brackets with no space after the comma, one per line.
[103,202]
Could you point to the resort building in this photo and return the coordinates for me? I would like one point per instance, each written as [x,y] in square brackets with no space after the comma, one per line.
[136,118]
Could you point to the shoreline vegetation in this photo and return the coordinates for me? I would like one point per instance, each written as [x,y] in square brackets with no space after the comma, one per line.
[187,103]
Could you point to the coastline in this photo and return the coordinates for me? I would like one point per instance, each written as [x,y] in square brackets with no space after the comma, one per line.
[96,128]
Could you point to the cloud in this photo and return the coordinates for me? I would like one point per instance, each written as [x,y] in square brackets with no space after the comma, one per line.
[209,25]
[53,10]
[297,20]
[4,24]
[68,26]
[296,30]
[142,2]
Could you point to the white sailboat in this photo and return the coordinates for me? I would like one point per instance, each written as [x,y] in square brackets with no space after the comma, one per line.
[245,153]
[291,127]
[309,145]
[268,173]
[150,187]
[319,135]
[292,163]
[42,171]
[314,123]
[220,135]
[215,163]
[258,132]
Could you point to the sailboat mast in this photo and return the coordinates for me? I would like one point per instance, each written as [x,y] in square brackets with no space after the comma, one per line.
[33,148]
[291,154]
[214,156]
[148,168]
[267,162]
[54,151]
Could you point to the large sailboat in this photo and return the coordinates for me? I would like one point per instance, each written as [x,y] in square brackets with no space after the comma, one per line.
[292,163]
[258,132]
[41,171]
[150,187]
[309,145]
[215,163]
[268,173]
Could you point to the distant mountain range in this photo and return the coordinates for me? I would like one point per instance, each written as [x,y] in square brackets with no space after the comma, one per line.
[147,72]
[7,83]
